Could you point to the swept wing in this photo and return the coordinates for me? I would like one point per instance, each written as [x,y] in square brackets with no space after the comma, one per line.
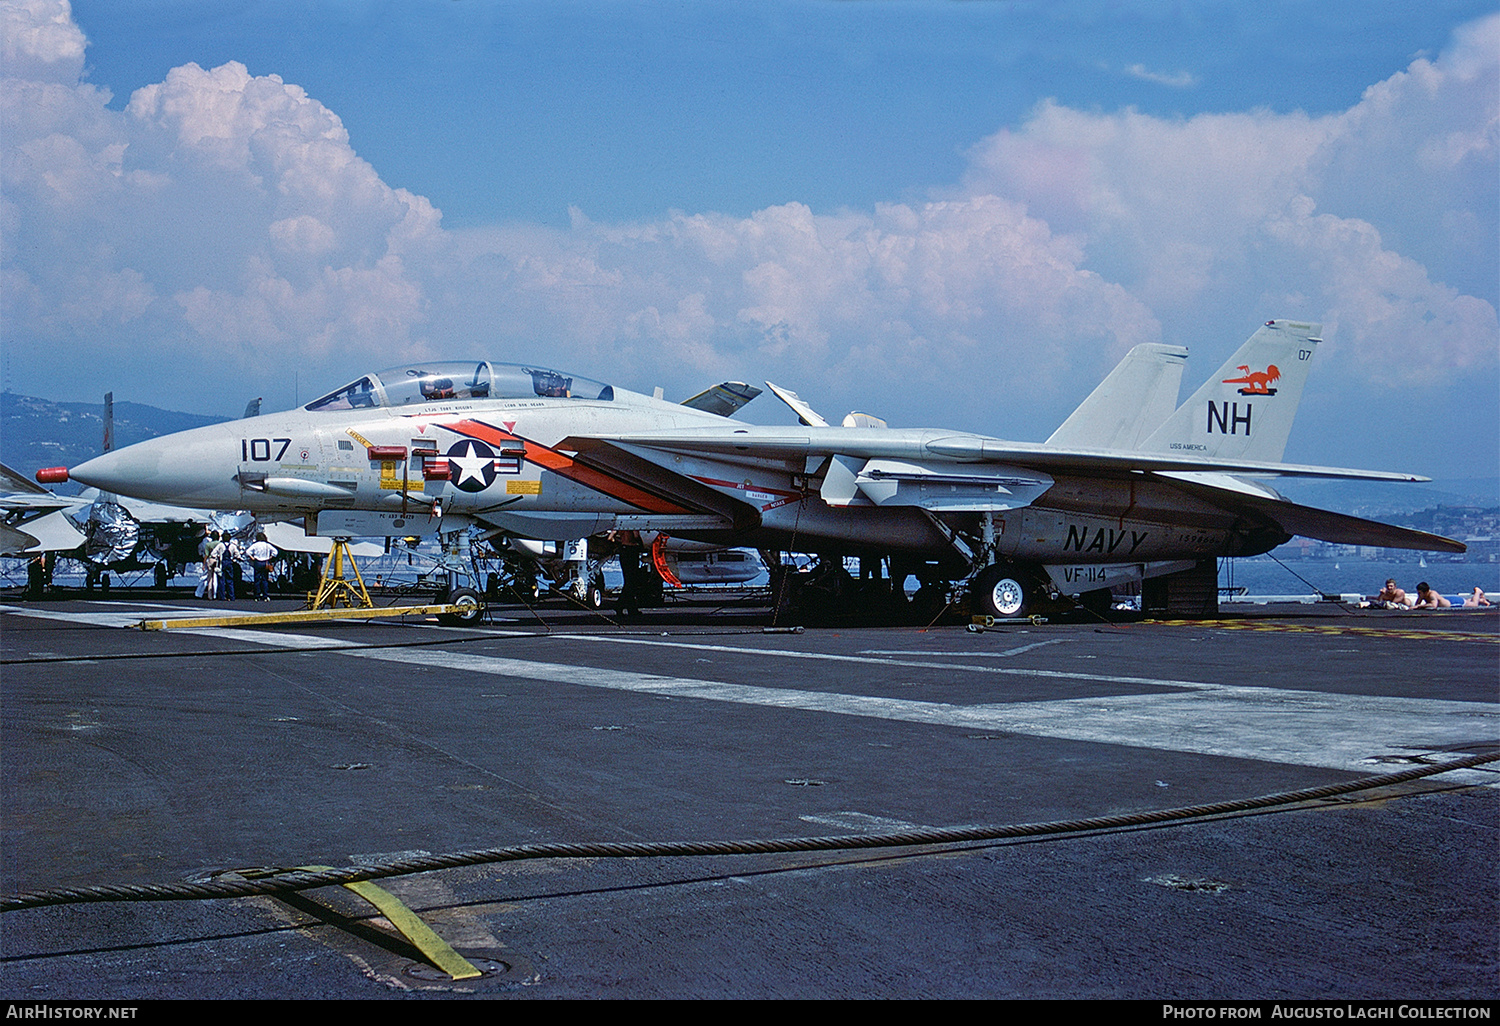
[752,443]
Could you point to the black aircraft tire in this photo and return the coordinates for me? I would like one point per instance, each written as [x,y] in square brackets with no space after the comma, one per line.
[1002,591]
[471,612]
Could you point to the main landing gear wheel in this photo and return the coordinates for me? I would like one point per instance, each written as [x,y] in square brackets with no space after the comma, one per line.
[1000,591]
[470,611]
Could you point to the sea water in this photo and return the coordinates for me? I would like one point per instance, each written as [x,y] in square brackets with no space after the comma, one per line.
[1273,575]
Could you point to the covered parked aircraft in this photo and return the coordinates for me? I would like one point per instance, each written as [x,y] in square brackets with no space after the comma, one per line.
[1130,488]
[108,532]
[103,533]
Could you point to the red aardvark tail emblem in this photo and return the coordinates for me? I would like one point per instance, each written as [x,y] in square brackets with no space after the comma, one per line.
[1258,382]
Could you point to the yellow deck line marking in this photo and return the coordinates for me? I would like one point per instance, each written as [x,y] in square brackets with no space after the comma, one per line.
[1405,633]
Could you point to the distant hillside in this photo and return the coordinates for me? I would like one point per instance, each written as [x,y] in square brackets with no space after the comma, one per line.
[38,433]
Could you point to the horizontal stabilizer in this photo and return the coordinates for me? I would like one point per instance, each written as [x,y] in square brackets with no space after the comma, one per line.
[53,532]
[14,542]
[1322,524]
[11,481]
[1341,529]
[32,503]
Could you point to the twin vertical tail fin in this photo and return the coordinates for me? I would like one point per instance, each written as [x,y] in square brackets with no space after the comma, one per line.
[1245,411]
[1132,402]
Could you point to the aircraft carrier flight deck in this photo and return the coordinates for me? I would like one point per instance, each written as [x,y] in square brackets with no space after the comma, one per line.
[220,754]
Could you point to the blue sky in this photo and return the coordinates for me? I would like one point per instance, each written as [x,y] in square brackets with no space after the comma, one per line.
[942,213]
[502,111]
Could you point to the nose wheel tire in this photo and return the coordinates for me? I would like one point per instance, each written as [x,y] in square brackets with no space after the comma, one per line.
[1000,591]
[470,611]
[590,593]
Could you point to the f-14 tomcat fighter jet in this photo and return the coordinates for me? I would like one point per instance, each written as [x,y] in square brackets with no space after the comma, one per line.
[1130,487]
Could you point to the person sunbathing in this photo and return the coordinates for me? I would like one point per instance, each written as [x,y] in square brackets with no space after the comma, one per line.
[1392,597]
[1429,599]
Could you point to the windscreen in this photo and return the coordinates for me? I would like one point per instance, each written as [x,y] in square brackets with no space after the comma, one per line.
[448,382]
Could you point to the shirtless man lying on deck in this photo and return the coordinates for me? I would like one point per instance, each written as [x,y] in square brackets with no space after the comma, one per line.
[1429,599]
[1392,597]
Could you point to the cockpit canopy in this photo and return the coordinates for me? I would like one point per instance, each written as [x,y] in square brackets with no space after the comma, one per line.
[439,382]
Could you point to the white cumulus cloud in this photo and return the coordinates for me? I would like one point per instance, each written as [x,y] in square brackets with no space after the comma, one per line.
[225,223]
[40,42]
[1358,219]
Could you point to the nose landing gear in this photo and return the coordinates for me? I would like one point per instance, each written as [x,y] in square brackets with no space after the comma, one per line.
[470,608]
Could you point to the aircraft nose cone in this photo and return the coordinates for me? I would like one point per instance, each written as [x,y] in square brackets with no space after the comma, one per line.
[187,469]
[107,473]
[135,471]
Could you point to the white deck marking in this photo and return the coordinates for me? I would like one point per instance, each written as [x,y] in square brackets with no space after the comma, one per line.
[266,635]
[283,639]
[1306,728]
[127,617]
[862,822]
[873,661]
[277,639]
[960,655]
